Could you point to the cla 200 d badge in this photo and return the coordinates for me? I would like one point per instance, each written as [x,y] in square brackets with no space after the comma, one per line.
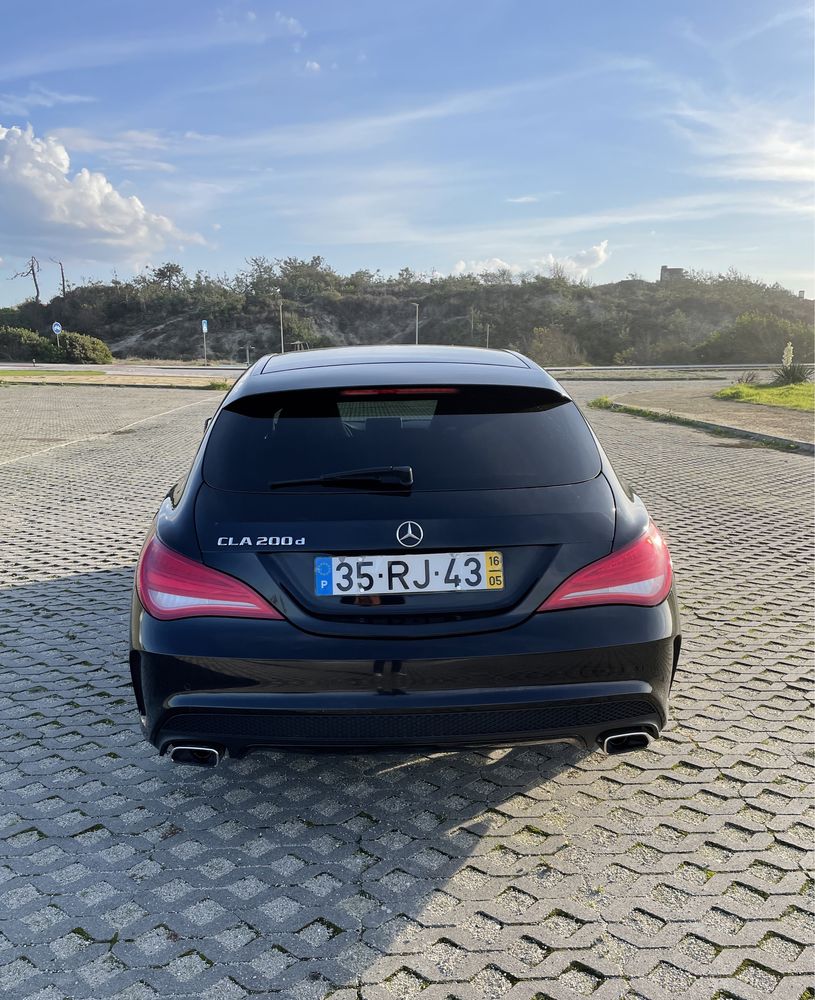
[289,567]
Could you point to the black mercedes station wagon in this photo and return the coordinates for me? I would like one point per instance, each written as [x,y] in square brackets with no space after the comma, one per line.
[400,547]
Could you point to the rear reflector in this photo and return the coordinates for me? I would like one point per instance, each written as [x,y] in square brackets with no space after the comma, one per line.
[640,574]
[417,391]
[172,586]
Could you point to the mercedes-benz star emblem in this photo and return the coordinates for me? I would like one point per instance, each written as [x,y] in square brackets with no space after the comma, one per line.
[409,534]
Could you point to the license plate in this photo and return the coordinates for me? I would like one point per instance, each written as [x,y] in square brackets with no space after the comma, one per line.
[408,574]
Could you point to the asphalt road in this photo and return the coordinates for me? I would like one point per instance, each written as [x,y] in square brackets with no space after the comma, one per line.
[233,370]
[124,369]
[519,874]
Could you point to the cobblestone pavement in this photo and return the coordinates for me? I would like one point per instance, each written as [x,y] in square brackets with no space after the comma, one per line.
[519,874]
[42,418]
[696,401]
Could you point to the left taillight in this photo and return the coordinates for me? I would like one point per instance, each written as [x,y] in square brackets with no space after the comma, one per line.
[639,573]
[172,586]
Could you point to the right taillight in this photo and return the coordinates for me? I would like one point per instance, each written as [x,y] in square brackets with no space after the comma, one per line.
[640,573]
[172,586]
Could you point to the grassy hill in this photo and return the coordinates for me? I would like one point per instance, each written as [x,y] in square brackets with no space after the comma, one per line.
[716,318]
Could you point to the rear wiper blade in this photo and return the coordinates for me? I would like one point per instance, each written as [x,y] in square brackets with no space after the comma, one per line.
[383,475]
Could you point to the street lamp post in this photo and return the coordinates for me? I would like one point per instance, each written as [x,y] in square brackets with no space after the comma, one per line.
[416,304]
[488,334]
[280,313]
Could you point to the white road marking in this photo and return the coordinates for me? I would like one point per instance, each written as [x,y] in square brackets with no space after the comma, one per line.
[104,434]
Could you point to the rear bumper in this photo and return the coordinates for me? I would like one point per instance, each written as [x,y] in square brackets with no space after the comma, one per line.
[500,719]
[572,676]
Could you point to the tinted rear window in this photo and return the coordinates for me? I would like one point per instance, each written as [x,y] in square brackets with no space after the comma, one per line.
[454,438]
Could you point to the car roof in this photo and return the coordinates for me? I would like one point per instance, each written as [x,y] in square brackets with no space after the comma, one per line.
[391,365]
[392,354]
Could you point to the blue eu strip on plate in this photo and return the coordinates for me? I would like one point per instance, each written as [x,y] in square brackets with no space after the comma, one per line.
[323,575]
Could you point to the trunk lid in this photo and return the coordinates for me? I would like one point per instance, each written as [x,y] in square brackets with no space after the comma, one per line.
[271,542]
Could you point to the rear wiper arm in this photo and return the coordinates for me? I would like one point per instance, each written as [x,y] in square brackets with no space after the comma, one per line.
[400,476]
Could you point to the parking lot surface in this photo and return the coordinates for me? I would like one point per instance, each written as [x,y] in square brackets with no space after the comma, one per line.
[524,873]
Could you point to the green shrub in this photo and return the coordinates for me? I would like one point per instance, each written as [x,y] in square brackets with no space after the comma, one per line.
[78,348]
[19,344]
[758,337]
[550,346]
[791,373]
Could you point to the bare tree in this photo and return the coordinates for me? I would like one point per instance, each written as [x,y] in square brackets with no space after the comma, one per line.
[31,270]
[61,273]
[557,272]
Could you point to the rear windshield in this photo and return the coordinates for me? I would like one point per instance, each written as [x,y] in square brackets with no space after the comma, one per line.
[453,438]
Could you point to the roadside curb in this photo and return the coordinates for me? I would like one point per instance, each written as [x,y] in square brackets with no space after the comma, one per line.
[110,385]
[668,417]
[640,378]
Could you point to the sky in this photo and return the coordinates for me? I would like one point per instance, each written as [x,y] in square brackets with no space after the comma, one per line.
[446,136]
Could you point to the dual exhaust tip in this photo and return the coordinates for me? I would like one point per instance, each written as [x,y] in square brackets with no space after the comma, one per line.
[626,741]
[198,756]
[612,744]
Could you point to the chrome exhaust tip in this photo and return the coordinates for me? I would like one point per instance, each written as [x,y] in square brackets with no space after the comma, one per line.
[626,742]
[198,756]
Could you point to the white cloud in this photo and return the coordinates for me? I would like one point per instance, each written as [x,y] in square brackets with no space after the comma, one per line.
[776,21]
[344,134]
[83,141]
[721,48]
[228,29]
[578,265]
[524,199]
[133,149]
[312,66]
[301,139]
[38,97]
[492,265]
[105,52]
[290,24]
[346,205]
[47,207]
[587,260]
[747,141]
[682,208]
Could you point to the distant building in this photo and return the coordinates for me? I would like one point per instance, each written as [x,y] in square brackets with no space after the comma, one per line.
[801,294]
[671,273]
